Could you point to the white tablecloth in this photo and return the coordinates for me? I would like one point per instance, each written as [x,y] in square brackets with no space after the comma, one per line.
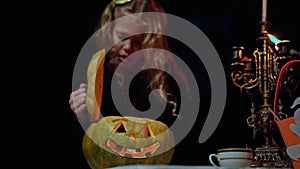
[162,167]
[176,167]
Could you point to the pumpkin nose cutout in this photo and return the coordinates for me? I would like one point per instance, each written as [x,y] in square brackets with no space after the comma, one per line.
[132,137]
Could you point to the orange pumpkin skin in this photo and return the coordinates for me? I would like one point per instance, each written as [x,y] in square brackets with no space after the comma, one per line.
[117,141]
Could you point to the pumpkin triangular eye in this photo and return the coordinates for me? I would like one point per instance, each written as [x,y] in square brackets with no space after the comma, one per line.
[146,131]
[120,129]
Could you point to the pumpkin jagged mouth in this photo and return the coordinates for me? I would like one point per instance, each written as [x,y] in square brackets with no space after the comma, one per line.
[142,152]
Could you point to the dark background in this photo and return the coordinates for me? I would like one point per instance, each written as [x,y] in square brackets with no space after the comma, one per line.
[63,29]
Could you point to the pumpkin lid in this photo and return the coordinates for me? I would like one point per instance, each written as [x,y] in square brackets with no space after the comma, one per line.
[95,75]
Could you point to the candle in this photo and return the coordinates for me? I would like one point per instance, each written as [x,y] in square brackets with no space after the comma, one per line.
[264,10]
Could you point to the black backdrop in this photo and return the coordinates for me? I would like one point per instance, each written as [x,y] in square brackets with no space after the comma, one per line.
[66,27]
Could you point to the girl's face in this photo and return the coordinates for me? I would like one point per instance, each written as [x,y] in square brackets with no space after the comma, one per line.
[126,46]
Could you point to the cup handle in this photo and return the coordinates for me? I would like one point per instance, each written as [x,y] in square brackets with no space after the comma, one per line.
[211,160]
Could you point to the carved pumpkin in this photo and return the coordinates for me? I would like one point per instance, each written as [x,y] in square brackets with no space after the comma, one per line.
[116,141]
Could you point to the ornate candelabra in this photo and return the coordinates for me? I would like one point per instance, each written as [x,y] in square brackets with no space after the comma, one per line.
[258,75]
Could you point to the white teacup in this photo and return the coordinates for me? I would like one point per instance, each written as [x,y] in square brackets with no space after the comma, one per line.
[232,158]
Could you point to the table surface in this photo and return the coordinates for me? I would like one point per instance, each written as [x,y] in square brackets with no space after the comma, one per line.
[173,167]
[162,167]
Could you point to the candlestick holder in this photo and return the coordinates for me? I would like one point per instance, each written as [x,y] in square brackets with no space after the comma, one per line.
[258,75]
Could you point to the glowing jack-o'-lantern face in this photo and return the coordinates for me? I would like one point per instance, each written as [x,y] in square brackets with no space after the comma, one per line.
[116,140]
